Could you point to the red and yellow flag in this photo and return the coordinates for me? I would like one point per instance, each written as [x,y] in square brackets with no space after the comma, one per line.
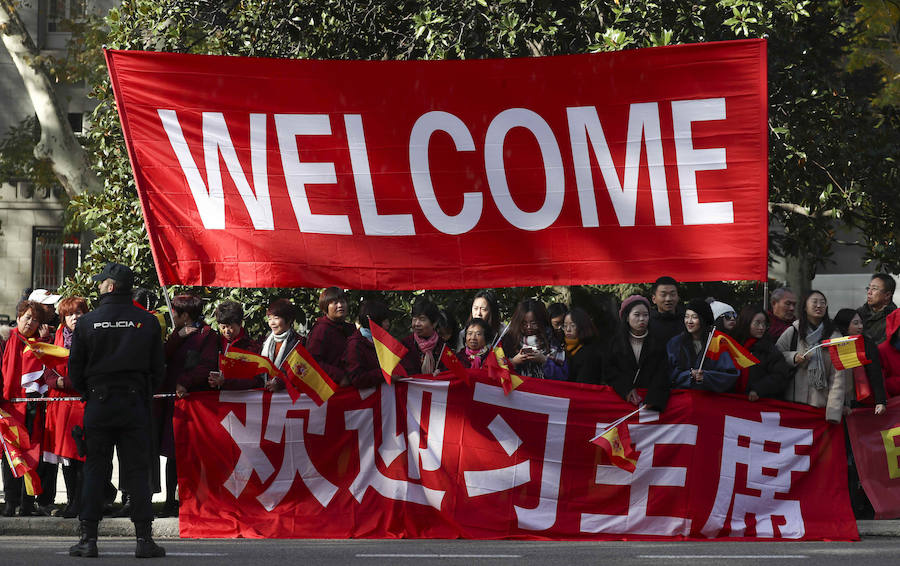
[616,443]
[722,342]
[453,364]
[847,352]
[301,372]
[50,355]
[389,351]
[241,364]
[498,368]
[17,450]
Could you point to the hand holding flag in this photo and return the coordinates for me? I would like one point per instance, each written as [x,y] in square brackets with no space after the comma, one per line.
[301,372]
[498,368]
[389,351]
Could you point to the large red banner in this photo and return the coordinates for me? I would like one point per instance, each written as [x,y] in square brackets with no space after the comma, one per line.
[434,458]
[602,168]
[876,448]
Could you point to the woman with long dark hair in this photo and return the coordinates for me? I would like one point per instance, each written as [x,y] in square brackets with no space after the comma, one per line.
[689,366]
[527,343]
[584,353]
[849,323]
[637,357]
[816,381]
[771,375]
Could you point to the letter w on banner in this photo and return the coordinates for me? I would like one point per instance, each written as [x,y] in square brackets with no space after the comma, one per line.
[396,174]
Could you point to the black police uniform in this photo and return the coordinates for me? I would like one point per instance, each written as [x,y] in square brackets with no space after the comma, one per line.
[116,362]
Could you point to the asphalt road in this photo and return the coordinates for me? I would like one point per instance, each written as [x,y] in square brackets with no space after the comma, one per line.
[875,551]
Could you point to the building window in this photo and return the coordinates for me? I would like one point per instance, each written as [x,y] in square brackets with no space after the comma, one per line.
[56,256]
[58,11]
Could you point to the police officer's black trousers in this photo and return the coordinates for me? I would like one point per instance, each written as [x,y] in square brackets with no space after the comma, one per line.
[122,420]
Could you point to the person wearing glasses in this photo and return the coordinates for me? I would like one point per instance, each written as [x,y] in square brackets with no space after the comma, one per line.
[725,317]
[527,343]
[771,375]
[879,304]
[816,381]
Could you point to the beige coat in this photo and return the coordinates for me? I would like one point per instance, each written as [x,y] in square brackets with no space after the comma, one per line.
[801,389]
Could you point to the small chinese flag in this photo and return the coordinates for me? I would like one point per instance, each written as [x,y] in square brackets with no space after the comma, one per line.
[389,351]
[722,342]
[498,368]
[50,355]
[241,364]
[847,352]
[616,443]
[453,364]
[18,451]
[301,372]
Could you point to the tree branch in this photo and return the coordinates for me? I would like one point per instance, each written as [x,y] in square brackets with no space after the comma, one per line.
[802,210]
[58,144]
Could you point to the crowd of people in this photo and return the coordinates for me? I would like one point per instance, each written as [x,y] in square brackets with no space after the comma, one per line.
[658,344]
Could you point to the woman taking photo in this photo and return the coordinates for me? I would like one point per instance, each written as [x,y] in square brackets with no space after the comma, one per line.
[477,347]
[637,357]
[816,381]
[689,366]
[584,353]
[771,375]
[527,343]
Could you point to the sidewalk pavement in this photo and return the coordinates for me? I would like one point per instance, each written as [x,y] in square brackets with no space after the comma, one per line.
[168,528]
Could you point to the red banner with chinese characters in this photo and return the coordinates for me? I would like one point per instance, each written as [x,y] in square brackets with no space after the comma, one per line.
[432,458]
[876,447]
[594,168]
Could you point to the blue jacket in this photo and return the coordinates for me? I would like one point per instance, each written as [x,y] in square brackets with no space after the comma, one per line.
[718,375]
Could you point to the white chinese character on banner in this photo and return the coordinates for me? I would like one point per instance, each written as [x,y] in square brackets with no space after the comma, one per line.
[279,429]
[645,437]
[768,451]
[394,442]
[484,482]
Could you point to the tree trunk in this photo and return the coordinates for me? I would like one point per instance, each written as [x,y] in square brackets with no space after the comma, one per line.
[58,144]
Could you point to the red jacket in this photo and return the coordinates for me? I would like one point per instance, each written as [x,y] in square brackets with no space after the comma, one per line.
[890,356]
[189,359]
[326,342]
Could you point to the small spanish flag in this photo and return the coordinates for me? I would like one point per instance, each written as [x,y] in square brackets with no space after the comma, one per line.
[616,443]
[453,364]
[847,352]
[241,364]
[389,351]
[301,372]
[50,355]
[722,342]
[17,450]
[498,368]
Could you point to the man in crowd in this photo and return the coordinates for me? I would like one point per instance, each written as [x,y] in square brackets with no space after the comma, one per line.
[782,311]
[116,362]
[879,304]
[667,319]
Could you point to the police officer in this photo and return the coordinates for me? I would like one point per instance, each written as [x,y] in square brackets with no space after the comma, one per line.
[116,363]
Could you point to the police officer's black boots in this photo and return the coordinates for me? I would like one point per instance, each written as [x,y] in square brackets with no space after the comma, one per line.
[87,545]
[146,548]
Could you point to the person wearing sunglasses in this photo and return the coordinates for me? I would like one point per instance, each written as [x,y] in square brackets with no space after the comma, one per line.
[726,318]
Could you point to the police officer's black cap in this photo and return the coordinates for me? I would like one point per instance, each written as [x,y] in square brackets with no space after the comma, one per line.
[117,271]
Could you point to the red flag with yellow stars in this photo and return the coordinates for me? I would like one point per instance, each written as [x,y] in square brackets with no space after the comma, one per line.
[17,450]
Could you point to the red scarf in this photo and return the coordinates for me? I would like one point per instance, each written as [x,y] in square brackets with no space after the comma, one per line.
[741,385]
[225,344]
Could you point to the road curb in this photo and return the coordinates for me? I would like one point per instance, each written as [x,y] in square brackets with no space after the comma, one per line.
[168,528]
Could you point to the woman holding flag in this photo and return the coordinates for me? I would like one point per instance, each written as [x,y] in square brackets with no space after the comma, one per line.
[59,444]
[637,357]
[282,339]
[360,358]
[689,366]
[816,381]
[771,375]
[868,378]
[22,376]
